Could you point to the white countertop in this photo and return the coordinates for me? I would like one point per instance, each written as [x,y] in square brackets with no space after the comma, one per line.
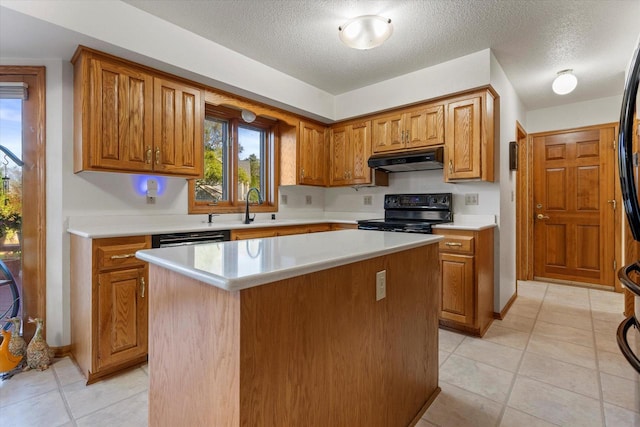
[135,228]
[469,222]
[244,264]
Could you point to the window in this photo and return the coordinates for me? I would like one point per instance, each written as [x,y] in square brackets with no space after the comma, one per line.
[237,157]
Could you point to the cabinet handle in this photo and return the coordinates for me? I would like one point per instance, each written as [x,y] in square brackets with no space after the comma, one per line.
[123,256]
[402,137]
[148,155]
[158,156]
[450,166]
[143,285]
[408,136]
[453,244]
[302,173]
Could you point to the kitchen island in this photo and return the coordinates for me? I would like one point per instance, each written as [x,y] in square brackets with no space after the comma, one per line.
[289,330]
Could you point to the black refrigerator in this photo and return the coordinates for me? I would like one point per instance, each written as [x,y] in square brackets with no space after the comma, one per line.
[628,166]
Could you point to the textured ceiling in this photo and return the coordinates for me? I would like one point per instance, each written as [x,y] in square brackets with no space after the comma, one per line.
[532,39]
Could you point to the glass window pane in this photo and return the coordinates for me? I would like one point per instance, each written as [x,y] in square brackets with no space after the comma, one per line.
[214,186]
[251,145]
[11,125]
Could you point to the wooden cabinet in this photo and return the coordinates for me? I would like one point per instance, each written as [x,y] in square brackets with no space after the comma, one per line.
[350,151]
[412,129]
[466,263]
[312,154]
[258,233]
[469,138]
[178,128]
[109,309]
[129,119]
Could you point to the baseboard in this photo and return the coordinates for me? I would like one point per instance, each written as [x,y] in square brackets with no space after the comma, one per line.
[62,351]
[506,308]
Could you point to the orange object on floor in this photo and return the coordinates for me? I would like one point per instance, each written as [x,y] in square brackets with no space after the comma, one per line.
[7,360]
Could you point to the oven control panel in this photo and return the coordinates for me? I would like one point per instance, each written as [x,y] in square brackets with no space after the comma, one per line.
[439,201]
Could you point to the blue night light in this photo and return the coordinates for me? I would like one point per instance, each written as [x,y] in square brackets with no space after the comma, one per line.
[140,184]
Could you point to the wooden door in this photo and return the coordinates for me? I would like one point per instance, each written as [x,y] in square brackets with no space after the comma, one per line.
[457,301]
[462,149]
[361,151]
[387,133]
[573,206]
[178,123]
[434,131]
[121,117]
[340,155]
[122,316]
[415,123]
[312,156]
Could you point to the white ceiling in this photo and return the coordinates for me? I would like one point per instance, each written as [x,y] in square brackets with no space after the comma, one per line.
[532,39]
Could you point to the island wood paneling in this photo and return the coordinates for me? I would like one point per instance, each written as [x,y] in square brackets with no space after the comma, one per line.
[315,350]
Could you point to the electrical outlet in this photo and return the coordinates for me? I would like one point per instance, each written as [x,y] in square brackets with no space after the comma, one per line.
[381,285]
[308,200]
[471,199]
[367,200]
[284,199]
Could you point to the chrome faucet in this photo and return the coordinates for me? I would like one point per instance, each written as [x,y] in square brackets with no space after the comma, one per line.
[248,220]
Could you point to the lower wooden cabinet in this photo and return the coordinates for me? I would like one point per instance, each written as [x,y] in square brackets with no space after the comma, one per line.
[258,233]
[466,263]
[109,308]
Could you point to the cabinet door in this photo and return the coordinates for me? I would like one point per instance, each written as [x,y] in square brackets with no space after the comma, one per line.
[387,133]
[416,128]
[122,316]
[312,154]
[341,155]
[462,147]
[359,172]
[178,122]
[434,120]
[254,233]
[120,117]
[457,302]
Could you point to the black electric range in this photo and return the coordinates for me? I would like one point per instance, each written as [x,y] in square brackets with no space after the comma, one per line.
[412,213]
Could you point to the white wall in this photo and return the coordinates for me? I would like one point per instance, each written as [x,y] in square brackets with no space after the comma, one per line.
[569,116]
[511,110]
[449,77]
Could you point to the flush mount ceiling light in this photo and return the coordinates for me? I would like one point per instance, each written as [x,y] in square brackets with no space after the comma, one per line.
[565,82]
[248,116]
[365,32]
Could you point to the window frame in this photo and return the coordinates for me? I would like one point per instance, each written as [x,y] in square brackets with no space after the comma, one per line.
[233,204]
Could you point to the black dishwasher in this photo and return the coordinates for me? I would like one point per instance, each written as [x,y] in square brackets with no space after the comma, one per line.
[189,238]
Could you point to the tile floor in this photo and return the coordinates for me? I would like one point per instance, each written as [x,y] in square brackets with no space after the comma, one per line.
[552,361]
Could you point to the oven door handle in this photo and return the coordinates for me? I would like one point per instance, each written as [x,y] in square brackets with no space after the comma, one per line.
[623,342]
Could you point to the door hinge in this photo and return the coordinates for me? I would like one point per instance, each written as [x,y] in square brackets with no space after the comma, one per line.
[615,264]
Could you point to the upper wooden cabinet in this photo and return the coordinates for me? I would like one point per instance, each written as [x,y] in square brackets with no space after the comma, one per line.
[419,128]
[350,150]
[469,138]
[129,119]
[312,154]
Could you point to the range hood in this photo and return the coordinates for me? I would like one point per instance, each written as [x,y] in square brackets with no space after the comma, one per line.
[431,158]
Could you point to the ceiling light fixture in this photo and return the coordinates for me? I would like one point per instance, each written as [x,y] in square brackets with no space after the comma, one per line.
[248,116]
[565,82]
[365,32]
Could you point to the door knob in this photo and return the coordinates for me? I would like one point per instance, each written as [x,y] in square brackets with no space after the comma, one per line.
[540,216]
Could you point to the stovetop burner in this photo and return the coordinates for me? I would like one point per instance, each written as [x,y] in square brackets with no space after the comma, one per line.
[411,213]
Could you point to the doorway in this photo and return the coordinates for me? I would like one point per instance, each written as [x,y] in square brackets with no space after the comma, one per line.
[573,205]
[22,195]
